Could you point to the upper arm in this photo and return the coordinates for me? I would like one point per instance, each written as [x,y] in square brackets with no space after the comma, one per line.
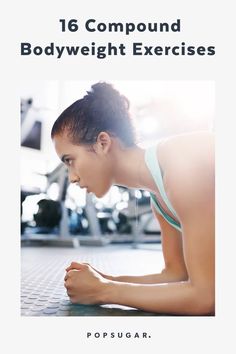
[172,247]
[199,249]
[191,192]
[198,224]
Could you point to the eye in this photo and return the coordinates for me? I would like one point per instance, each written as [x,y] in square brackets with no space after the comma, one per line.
[68,161]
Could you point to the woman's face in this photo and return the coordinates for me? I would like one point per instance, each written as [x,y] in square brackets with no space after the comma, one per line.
[90,167]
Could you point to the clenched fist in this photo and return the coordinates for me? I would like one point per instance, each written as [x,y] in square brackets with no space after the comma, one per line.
[85,285]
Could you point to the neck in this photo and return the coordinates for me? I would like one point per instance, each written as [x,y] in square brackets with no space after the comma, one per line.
[130,169]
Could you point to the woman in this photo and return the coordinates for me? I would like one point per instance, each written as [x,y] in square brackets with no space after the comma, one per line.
[95,138]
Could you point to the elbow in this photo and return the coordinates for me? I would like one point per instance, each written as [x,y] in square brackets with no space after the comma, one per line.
[182,277]
[205,308]
[173,274]
[203,303]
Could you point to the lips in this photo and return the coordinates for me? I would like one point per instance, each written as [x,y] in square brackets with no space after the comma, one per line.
[82,187]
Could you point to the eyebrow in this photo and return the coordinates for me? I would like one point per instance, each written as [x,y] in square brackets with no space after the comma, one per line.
[64,157]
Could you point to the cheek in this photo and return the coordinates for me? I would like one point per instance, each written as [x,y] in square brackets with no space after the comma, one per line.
[82,168]
[101,175]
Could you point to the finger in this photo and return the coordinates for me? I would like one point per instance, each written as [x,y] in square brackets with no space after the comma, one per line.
[68,268]
[69,293]
[74,265]
[67,285]
[70,273]
[73,299]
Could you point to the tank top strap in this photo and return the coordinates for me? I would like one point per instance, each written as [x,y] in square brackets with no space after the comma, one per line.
[154,167]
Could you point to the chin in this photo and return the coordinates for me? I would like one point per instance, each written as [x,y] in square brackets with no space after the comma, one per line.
[101,193]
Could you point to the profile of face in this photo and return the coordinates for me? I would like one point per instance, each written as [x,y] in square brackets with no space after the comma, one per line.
[88,165]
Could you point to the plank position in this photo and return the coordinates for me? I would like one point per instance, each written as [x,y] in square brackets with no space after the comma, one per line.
[95,138]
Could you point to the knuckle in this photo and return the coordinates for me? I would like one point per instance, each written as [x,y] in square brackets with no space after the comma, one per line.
[73,299]
[69,293]
[68,285]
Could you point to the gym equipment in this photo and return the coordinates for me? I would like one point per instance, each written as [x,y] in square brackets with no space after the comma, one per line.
[31,126]
[49,213]
[92,225]
[64,237]
[78,223]
[137,223]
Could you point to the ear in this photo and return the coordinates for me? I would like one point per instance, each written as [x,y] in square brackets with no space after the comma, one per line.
[103,143]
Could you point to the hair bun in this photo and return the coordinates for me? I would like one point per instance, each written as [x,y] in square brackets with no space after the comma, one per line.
[103,108]
[103,90]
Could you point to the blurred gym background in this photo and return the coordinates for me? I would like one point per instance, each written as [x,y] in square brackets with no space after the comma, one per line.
[53,212]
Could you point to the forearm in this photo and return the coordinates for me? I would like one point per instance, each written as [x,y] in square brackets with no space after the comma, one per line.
[165,276]
[171,298]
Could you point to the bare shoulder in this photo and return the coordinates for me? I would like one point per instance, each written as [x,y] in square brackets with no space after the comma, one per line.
[188,167]
[197,143]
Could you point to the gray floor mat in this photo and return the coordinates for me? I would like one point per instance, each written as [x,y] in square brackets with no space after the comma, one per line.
[43,271]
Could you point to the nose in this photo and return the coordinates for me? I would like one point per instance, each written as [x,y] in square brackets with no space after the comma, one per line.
[72,177]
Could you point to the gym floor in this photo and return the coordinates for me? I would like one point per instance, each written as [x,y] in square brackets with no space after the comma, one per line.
[43,271]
